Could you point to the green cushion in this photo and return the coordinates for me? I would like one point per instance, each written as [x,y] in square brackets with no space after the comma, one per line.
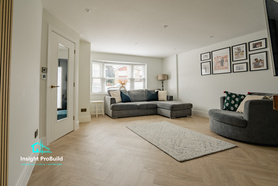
[232,101]
[152,96]
[125,97]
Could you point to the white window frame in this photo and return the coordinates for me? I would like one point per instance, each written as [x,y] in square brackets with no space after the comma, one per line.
[103,78]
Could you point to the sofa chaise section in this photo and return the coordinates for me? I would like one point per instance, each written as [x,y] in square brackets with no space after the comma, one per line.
[174,109]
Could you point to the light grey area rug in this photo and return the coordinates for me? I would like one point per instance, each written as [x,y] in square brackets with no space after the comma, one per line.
[180,143]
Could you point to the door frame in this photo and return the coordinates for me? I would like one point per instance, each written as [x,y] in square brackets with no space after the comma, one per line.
[75,80]
[6,18]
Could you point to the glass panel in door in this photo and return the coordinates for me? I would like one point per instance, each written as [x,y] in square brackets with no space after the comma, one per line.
[62,83]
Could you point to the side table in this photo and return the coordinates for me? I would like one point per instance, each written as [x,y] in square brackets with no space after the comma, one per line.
[98,105]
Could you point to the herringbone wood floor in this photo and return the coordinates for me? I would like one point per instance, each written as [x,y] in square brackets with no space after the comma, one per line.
[105,153]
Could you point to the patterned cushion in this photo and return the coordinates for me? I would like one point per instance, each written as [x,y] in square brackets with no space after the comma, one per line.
[232,101]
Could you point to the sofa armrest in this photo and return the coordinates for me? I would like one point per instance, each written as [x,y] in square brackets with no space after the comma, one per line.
[108,101]
[170,98]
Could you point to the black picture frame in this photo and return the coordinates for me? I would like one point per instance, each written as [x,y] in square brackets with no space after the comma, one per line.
[221,61]
[240,67]
[239,52]
[258,61]
[205,68]
[257,44]
[205,56]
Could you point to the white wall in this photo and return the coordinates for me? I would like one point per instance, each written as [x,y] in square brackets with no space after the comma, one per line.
[170,67]
[84,81]
[48,19]
[154,66]
[24,89]
[204,91]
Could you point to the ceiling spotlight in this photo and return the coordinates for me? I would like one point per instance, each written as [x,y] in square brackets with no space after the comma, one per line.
[87,10]
[165,26]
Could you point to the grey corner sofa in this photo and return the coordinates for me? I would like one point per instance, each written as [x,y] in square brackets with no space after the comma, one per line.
[139,106]
[258,123]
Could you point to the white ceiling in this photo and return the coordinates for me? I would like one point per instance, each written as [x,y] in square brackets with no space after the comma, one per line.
[136,27]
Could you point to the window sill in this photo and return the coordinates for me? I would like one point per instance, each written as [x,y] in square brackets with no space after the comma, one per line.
[99,93]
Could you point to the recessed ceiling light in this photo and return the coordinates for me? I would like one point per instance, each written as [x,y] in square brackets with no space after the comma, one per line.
[87,10]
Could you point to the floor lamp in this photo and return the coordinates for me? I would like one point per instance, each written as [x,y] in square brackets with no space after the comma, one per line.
[162,77]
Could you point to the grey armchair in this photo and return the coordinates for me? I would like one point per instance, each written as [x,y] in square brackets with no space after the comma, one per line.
[258,123]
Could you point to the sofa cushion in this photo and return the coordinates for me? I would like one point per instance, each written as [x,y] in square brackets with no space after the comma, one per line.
[240,109]
[232,101]
[228,117]
[124,106]
[162,95]
[152,95]
[117,95]
[137,95]
[173,105]
[125,97]
[146,105]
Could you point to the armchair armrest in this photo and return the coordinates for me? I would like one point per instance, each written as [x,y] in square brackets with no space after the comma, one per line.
[260,111]
[222,99]
[261,120]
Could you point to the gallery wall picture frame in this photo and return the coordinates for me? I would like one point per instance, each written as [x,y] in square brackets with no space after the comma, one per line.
[205,68]
[257,44]
[205,56]
[240,67]
[258,61]
[239,52]
[221,61]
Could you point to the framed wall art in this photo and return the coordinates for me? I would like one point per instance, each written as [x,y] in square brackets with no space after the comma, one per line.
[205,56]
[257,44]
[258,61]
[239,52]
[221,61]
[205,68]
[240,67]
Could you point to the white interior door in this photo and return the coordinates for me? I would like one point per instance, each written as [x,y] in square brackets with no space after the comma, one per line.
[59,87]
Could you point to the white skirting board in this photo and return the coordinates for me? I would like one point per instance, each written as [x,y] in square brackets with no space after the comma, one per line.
[43,140]
[76,125]
[200,113]
[26,173]
[86,118]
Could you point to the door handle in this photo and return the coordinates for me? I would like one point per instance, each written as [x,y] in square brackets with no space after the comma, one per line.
[52,86]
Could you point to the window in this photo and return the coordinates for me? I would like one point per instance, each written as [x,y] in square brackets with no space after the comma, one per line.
[107,76]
